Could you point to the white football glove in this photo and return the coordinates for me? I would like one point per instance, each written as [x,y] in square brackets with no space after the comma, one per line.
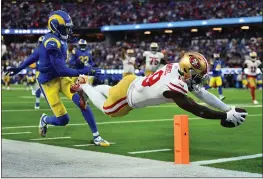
[236,117]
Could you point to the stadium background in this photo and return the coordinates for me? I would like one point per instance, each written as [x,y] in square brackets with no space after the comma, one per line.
[144,129]
[24,21]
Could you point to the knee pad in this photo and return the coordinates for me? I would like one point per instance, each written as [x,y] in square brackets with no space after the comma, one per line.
[63,120]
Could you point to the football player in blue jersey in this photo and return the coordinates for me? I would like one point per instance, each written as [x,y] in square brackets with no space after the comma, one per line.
[36,89]
[54,76]
[216,79]
[81,57]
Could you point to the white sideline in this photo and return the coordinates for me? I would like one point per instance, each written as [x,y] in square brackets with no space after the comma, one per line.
[52,138]
[86,145]
[149,151]
[118,122]
[15,133]
[221,160]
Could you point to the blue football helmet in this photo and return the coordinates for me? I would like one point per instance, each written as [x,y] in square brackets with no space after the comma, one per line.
[82,44]
[60,23]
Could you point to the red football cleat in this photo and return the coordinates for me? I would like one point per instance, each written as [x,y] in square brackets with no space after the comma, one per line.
[77,89]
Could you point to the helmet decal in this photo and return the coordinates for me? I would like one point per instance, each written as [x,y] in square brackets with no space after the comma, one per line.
[195,62]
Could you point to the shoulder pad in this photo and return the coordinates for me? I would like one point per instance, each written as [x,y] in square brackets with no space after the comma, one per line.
[52,43]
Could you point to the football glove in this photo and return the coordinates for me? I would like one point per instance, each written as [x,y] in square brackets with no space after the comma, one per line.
[12,71]
[89,70]
[237,118]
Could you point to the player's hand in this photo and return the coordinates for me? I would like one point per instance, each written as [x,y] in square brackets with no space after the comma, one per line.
[12,71]
[236,118]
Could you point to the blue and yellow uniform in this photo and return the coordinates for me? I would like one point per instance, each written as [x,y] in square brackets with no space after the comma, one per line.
[216,79]
[81,57]
[30,76]
[54,76]
[52,67]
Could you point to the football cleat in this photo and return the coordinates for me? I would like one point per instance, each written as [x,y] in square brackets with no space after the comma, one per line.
[82,79]
[255,102]
[37,107]
[101,142]
[42,125]
[221,97]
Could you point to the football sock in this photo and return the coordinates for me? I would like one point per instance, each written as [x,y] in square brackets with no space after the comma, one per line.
[220,90]
[103,89]
[57,121]
[207,87]
[38,94]
[252,92]
[87,114]
[95,96]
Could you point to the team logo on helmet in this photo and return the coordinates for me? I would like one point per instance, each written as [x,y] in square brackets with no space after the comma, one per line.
[195,62]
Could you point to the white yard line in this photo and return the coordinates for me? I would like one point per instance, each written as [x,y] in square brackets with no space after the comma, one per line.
[52,138]
[15,133]
[118,122]
[149,151]
[86,145]
[221,160]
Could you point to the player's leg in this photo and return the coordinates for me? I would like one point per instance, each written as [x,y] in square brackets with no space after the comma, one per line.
[103,89]
[38,94]
[116,104]
[220,87]
[252,86]
[96,97]
[87,113]
[50,91]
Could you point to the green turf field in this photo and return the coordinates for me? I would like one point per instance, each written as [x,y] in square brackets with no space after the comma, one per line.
[144,129]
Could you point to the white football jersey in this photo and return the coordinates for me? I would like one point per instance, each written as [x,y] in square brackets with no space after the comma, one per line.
[152,60]
[128,64]
[148,91]
[252,67]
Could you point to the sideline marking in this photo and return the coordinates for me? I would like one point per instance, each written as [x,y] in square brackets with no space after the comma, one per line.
[86,145]
[149,151]
[52,138]
[14,133]
[117,122]
[221,160]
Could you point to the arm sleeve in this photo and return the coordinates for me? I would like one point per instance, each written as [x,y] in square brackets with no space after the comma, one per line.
[30,59]
[60,65]
[211,100]
[72,60]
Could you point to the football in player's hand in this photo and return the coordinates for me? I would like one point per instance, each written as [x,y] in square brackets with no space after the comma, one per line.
[229,124]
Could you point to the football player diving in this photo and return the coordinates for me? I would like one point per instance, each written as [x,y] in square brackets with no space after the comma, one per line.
[54,76]
[169,84]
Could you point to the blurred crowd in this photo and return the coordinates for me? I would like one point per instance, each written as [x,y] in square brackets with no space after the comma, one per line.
[233,51]
[95,13]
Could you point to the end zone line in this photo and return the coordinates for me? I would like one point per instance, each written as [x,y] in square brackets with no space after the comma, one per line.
[14,133]
[221,160]
[52,138]
[86,145]
[117,122]
[149,151]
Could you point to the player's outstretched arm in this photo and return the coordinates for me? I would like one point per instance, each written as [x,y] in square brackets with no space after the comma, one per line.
[28,61]
[60,65]
[211,99]
[191,106]
[231,118]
